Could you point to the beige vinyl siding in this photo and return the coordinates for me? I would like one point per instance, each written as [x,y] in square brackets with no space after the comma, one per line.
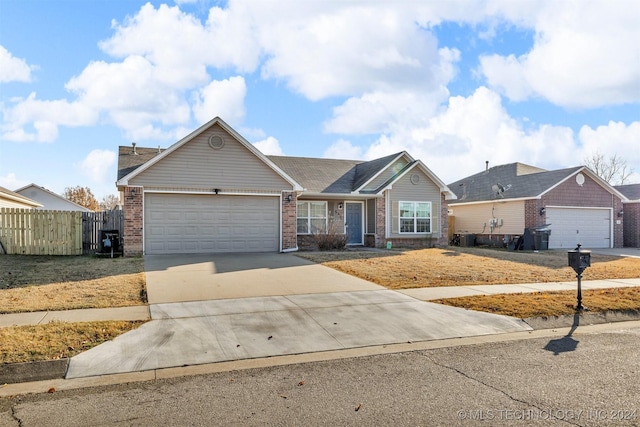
[472,218]
[424,191]
[371,216]
[197,165]
[387,174]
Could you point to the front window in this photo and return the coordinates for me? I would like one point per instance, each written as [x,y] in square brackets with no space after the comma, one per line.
[312,217]
[415,217]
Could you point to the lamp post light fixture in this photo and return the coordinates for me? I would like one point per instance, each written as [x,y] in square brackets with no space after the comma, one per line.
[579,260]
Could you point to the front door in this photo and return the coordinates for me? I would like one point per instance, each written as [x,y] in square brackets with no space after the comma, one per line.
[353,223]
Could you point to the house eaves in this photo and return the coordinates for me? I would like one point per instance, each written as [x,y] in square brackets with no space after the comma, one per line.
[217,120]
[13,196]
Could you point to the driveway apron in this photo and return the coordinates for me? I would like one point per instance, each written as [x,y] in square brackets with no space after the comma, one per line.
[214,308]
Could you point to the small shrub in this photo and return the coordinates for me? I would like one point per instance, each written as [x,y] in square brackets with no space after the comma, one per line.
[330,241]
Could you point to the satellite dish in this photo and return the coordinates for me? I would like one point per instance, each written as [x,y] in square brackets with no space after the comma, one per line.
[495,188]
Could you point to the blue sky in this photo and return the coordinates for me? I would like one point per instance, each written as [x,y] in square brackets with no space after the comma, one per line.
[454,83]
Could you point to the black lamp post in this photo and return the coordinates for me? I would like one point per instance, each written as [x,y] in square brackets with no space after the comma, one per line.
[579,261]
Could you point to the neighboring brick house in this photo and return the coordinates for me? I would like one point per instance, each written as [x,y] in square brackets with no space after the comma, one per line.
[575,204]
[213,191]
[631,214]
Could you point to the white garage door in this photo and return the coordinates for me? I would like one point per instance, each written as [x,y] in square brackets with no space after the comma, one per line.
[589,227]
[182,223]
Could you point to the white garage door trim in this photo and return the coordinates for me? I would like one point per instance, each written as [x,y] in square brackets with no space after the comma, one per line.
[179,222]
[591,227]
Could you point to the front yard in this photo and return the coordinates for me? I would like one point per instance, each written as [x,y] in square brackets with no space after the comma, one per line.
[458,266]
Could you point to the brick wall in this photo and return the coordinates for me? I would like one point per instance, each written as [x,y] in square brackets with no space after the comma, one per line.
[289,225]
[631,225]
[133,208]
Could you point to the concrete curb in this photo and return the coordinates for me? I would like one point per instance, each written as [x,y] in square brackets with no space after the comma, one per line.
[583,319]
[11,373]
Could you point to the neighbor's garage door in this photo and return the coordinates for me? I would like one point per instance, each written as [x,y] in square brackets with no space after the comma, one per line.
[181,223]
[589,227]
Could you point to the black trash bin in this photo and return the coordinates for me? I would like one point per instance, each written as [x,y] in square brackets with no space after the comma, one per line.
[541,238]
[110,241]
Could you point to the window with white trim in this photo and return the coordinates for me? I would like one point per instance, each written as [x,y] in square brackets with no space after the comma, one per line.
[311,217]
[415,217]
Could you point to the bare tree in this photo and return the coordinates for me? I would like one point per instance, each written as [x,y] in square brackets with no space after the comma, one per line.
[614,169]
[109,202]
[82,196]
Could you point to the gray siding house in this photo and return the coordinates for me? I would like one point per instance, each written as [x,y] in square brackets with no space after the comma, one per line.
[213,191]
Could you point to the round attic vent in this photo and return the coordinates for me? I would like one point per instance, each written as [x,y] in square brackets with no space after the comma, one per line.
[415,178]
[580,179]
[216,142]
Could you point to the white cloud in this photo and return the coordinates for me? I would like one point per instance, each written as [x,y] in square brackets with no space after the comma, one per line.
[13,69]
[12,182]
[98,165]
[338,49]
[269,146]
[585,55]
[613,139]
[223,98]
[343,149]
[470,130]
[32,119]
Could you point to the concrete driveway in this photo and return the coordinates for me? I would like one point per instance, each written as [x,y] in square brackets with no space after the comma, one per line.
[200,277]
[214,308]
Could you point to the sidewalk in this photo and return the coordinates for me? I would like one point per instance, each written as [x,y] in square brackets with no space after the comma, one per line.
[141,312]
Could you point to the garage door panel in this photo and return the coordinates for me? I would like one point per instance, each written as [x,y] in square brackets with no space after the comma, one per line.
[589,227]
[178,223]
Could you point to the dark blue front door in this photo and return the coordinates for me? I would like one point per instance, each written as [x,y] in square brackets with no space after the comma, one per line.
[353,219]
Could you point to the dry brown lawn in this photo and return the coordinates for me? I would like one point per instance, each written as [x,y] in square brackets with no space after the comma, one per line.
[39,283]
[458,266]
[550,303]
[56,340]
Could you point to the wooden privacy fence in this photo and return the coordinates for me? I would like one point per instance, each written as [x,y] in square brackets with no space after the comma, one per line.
[42,232]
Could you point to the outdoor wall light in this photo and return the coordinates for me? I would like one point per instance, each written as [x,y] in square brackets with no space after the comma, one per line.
[621,213]
[339,205]
[542,211]
[289,198]
[216,190]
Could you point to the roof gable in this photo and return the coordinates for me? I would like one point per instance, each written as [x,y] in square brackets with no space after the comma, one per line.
[50,200]
[130,168]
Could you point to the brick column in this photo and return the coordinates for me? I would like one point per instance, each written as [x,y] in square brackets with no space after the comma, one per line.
[289,223]
[381,222]
[132,207]
[443,241]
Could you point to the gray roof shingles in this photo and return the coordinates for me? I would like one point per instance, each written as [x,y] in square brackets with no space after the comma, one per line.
[128,161]
[518,180]
[630,191]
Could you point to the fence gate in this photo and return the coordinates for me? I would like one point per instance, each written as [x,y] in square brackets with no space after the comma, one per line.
[93,222]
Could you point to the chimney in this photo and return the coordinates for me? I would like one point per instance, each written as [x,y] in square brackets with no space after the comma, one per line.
[134,152]
[486,165]
[159,151]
